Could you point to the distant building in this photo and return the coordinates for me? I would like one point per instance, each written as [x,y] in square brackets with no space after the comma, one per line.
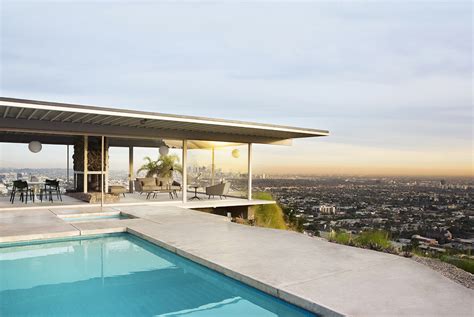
[3,189]
[432,249]
[324,209]
[424,240]
[22,176]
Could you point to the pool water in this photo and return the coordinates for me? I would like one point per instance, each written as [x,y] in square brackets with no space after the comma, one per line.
[121,275]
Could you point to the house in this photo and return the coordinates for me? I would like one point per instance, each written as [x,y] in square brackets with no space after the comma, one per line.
[89,132]
[424,240]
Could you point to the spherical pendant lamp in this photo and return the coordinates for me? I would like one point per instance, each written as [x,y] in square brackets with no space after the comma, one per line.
[35,146]
[164,150]
[235,153]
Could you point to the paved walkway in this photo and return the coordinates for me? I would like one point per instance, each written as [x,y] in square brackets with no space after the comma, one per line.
[310,272]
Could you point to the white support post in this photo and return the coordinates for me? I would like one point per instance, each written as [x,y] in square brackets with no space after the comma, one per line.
[213,167]
[130,169]
[185,171]
[67,165]
[86,150]
[249,194]
[102,172]
[106,164]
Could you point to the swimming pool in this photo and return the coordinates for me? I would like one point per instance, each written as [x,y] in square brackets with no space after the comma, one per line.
[121,275]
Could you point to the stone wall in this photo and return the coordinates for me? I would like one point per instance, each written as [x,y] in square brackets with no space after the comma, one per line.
[93,161]
[94,197]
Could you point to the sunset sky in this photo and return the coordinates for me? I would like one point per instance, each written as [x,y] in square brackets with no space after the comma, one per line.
[391,81]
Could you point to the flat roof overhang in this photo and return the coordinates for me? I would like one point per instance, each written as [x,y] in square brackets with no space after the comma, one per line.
[22,117]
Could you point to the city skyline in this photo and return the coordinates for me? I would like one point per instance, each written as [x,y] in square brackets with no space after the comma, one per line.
[392,82]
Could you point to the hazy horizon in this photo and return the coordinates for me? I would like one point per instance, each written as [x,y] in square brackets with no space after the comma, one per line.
[298,174]
[391,81]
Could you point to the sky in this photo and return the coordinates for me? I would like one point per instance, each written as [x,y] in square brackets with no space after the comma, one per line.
[390,80]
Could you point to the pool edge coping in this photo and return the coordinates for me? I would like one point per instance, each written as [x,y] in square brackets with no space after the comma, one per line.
[286,296]
[275,291]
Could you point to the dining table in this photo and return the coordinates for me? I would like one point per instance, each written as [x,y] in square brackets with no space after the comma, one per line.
[36,186]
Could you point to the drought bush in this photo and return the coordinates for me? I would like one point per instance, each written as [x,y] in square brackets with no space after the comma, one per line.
[292,220]
[465,264]
[268,216]
[374,239]
[340,237]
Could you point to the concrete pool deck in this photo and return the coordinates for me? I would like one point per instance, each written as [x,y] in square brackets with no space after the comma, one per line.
[322,277]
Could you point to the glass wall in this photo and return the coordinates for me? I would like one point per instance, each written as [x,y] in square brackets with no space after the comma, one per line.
[216,164]
[163,164]
[18,162]
[34,163]
[118,167]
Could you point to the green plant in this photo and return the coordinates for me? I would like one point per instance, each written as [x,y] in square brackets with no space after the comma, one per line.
[292,219]
[341,237]
[465,264]
[407,251]
[163,167]
[269,216]
[151,167]
[375,240]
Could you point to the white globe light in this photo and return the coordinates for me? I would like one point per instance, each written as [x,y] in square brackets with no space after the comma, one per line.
[236,153]
[35,146]
[164,150]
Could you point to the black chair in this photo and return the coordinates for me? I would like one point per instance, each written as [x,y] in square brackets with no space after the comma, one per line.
[21,187]
[51,187]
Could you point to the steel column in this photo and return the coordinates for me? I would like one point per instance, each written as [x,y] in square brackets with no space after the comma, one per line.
[249,194]
[185,171]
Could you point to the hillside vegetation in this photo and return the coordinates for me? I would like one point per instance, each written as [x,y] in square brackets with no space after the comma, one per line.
[274,216]
[466,264]
[378,240]
[268,216]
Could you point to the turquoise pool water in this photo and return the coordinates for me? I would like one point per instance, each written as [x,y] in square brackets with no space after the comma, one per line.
[121,275]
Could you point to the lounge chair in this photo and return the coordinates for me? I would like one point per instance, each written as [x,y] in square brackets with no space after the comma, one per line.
[220,190]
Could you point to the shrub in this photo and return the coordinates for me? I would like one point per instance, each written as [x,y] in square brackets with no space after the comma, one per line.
[465,264]
[340,237]
[375,240]
[268,216]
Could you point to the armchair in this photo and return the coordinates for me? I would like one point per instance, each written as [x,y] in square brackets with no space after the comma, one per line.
[218,190]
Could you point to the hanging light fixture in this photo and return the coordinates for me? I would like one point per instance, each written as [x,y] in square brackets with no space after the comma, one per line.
[235,153]
[164,150]
[35,146]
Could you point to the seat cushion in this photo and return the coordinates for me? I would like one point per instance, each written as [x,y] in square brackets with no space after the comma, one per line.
[116,189]
[151,188]
[148,181]
[160,181]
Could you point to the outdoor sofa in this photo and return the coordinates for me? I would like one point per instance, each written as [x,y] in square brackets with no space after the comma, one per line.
[153,185]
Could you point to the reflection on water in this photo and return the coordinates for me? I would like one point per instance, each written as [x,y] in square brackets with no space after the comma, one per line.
[121,275]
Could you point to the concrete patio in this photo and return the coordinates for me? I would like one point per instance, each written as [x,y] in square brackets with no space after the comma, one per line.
[323,277]
[133,199]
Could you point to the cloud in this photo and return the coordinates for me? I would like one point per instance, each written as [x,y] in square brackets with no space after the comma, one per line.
[384,75]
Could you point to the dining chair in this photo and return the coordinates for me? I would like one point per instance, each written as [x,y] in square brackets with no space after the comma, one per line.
[21,187]
[51,186]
